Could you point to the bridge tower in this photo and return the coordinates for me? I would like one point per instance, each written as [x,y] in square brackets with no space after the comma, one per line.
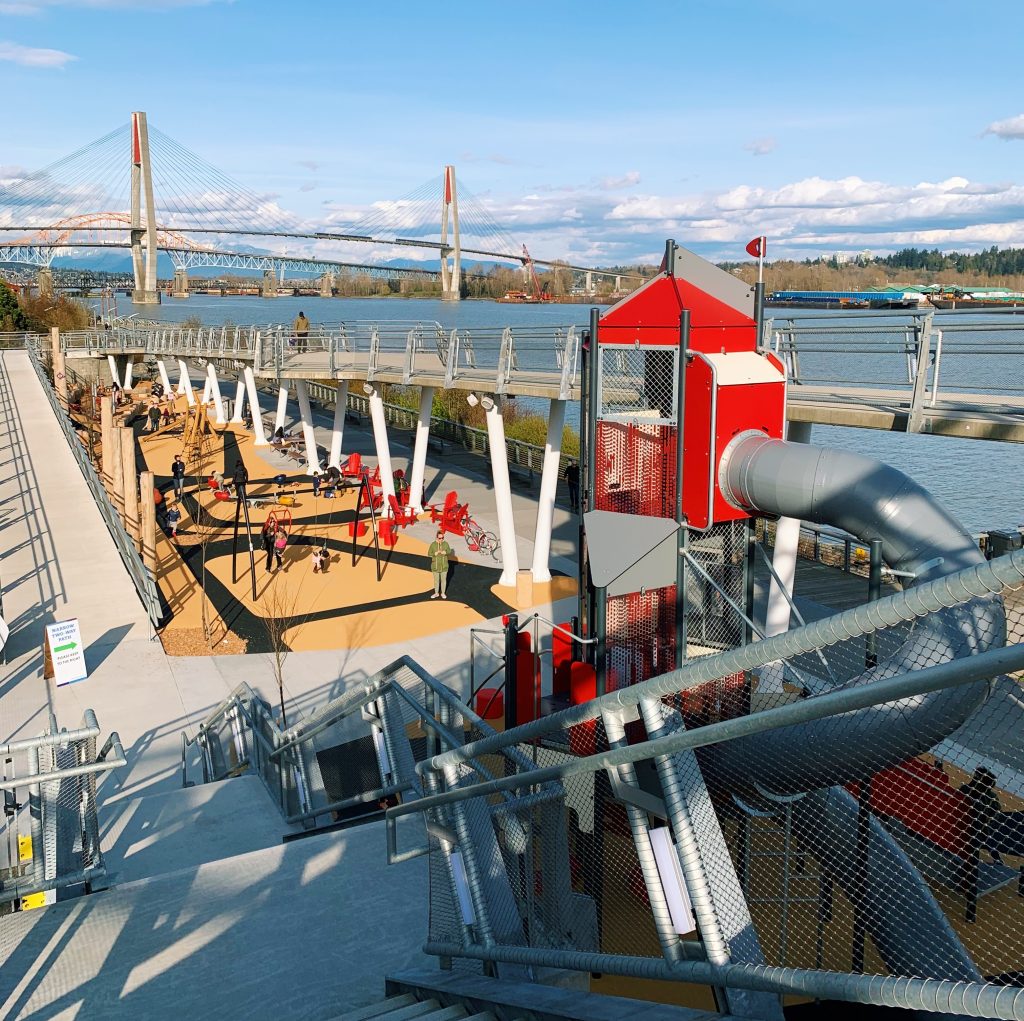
[451,273]
[143,261]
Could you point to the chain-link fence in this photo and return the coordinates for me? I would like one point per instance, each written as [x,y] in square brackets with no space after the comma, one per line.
[862,817]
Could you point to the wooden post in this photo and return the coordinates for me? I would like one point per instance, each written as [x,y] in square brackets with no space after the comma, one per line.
[116,474]
[146,487]
[60,378]
[130,483]
[107,445]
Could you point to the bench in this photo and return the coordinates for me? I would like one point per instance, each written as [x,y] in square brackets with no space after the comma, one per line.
[439,443]
[521,471]
[355,417]
[933,822]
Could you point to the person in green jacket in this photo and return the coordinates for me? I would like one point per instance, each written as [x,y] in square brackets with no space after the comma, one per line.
[439,553]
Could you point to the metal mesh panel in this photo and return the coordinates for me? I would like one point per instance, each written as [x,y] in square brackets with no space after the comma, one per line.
[640,640]
[715,587]
[636,469]
[886,840]
[637,384]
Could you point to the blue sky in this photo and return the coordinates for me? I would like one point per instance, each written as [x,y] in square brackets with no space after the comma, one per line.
[591,131]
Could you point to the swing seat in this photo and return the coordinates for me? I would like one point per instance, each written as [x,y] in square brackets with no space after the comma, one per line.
[221,494]
[286,501]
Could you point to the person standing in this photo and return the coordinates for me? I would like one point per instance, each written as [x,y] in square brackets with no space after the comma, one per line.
[240,479]
[439,552]
[301,330]
[316,484]
[153,415]
[280,545]
[572,480]
[178,475]
[173,520]
[267,537]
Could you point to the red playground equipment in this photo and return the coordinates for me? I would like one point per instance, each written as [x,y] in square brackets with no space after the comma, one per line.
[402,516]
[453,516]
[352,468]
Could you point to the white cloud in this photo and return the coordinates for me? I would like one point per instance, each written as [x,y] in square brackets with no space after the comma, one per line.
[760,146]
[310,165]
[29,56]
[628,180]
[1011,128]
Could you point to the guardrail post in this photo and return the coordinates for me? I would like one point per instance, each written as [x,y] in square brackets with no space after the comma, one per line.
[60,378]
[130,484]
[147,487]
[923,349]
[106,445]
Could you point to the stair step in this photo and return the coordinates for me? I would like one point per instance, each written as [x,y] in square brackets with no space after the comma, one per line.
[418,1010]
[376,1010]
[485,1015]
[454,1013]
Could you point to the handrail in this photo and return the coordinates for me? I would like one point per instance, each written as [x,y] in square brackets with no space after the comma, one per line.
[946,591]
[953,673]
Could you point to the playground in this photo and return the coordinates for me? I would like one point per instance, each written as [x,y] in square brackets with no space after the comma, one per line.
[376,583]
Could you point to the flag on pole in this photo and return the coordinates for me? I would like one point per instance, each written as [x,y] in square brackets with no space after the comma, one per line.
[757,247]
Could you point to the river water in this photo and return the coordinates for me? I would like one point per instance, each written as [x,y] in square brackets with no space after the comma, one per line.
[981,482]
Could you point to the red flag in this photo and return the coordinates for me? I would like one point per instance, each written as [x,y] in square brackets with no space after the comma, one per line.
[757,247]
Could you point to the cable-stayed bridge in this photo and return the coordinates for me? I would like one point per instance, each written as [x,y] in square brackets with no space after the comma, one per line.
[138,189]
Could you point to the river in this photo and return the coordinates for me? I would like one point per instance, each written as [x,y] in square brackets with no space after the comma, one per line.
[980,481]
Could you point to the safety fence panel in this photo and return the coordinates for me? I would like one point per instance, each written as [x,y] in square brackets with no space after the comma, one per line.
[877,837]
[637,384]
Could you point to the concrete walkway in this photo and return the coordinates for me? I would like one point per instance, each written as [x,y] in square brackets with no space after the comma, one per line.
[58,561]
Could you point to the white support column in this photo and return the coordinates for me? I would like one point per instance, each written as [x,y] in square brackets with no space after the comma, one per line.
[206,388]
[380,439]
[282,406]
[164,378]
[128,365]
[258,431]
[213,385]
[308,435]
[338,429]
[185,383]
[787,542]
[115,376]
[502,495]
[419,453]
[239,399]
[548,488]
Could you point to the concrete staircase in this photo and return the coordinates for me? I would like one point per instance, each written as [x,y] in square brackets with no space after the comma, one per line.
[406,1006]
[209,914]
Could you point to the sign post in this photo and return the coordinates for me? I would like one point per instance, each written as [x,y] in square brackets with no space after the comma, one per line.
[64,654]
[757,248]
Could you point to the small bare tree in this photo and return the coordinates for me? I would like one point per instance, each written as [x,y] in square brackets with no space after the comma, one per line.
[278,606]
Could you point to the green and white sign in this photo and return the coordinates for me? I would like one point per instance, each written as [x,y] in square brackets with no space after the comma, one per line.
[66,651]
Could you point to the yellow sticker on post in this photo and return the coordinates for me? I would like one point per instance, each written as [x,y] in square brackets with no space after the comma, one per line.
[64,644]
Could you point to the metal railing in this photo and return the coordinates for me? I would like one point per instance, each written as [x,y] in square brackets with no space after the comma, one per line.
[497,359]
[50,830]
[356,750]
[144,582]
[840,780]
[925,357]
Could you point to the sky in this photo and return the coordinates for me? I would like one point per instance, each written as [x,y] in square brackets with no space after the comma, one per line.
[589,131]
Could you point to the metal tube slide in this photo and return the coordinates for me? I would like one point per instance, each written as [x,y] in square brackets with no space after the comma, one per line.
[919,537]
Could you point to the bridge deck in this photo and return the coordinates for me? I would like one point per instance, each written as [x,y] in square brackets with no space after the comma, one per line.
[969,415]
